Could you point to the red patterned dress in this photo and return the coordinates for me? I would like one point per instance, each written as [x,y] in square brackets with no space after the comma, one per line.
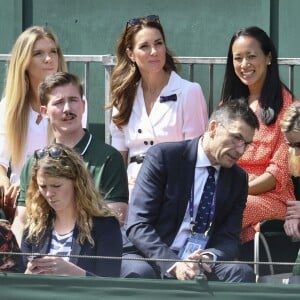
[268,153]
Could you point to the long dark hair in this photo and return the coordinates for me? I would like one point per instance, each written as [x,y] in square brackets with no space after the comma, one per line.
[126,74]
[271,99]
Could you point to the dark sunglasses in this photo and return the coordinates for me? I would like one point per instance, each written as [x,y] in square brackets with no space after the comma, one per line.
[137,21]
[294,145]
[54,152]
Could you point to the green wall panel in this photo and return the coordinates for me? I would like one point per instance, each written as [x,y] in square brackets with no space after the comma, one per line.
[288,24]
[10,27]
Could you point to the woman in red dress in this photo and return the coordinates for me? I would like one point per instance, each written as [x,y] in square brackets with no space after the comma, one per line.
[252,72]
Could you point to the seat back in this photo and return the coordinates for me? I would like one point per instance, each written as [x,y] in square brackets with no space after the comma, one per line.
[272,230]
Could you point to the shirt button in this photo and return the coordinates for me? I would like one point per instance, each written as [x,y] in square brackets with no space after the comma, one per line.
[139,130]
[145,143]
[151,142]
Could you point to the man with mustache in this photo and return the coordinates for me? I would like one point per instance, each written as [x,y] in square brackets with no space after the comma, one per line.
[188,202]
[62,104]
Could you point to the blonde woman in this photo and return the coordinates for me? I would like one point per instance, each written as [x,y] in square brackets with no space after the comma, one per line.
[290,127]
[35,54]
[66,216]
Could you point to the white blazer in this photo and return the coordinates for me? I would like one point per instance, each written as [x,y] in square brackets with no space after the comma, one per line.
[168,121]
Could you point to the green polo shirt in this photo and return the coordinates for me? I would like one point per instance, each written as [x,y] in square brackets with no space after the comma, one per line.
[104,163]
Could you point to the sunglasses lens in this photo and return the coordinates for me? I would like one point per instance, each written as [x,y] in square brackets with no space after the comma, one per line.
[133,22]
[55,152]
[38,154]
[152,18]
[137,21]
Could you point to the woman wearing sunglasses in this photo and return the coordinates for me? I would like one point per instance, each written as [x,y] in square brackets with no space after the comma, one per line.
[67,219]
[150,102]
[290,126]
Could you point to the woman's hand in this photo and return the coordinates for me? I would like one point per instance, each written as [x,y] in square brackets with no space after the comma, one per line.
[262,184]
[11,194]
[52,265]
[4,186]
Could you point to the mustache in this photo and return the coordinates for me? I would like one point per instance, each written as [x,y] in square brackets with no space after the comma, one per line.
[68,114]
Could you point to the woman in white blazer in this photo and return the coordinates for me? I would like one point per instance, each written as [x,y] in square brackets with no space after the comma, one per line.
[150,102]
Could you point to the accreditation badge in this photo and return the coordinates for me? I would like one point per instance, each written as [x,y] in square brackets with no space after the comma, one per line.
[195,242]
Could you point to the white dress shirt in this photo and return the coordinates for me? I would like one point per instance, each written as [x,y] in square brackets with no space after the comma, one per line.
[201,175]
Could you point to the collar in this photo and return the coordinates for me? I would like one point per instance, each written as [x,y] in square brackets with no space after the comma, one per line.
[174,84]
[172,87]
[82,146]
[202,159]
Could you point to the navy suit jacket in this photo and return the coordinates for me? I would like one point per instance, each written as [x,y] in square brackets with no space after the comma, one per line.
[106,234]
[160,198]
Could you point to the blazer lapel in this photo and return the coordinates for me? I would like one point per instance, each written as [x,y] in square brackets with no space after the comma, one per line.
[189,158]
[44,246]
[139,113]
[160,109]
[76,247]
[139,107]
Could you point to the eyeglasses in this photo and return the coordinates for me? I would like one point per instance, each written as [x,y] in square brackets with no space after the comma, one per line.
[237,140]
[54,152]
[293,145]
[137,21]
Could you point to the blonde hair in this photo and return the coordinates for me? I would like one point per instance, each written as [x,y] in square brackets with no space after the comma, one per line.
[88,201]
[291,118]
[291,122]
[294,163]
[17,88]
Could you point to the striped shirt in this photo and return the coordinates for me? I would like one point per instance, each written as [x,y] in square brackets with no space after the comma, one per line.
[61,244]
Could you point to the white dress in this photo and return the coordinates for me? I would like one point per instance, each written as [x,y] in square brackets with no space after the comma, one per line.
[36,138]
[177,120]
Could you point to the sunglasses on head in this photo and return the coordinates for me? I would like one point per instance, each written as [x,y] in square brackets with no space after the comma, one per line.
[54,152]
[137,21]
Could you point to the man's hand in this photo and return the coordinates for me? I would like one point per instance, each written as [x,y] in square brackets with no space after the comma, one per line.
[293,210]
[189,270]
[292,222]
[291,227]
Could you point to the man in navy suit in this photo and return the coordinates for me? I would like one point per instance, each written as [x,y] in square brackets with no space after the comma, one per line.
[166,197]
